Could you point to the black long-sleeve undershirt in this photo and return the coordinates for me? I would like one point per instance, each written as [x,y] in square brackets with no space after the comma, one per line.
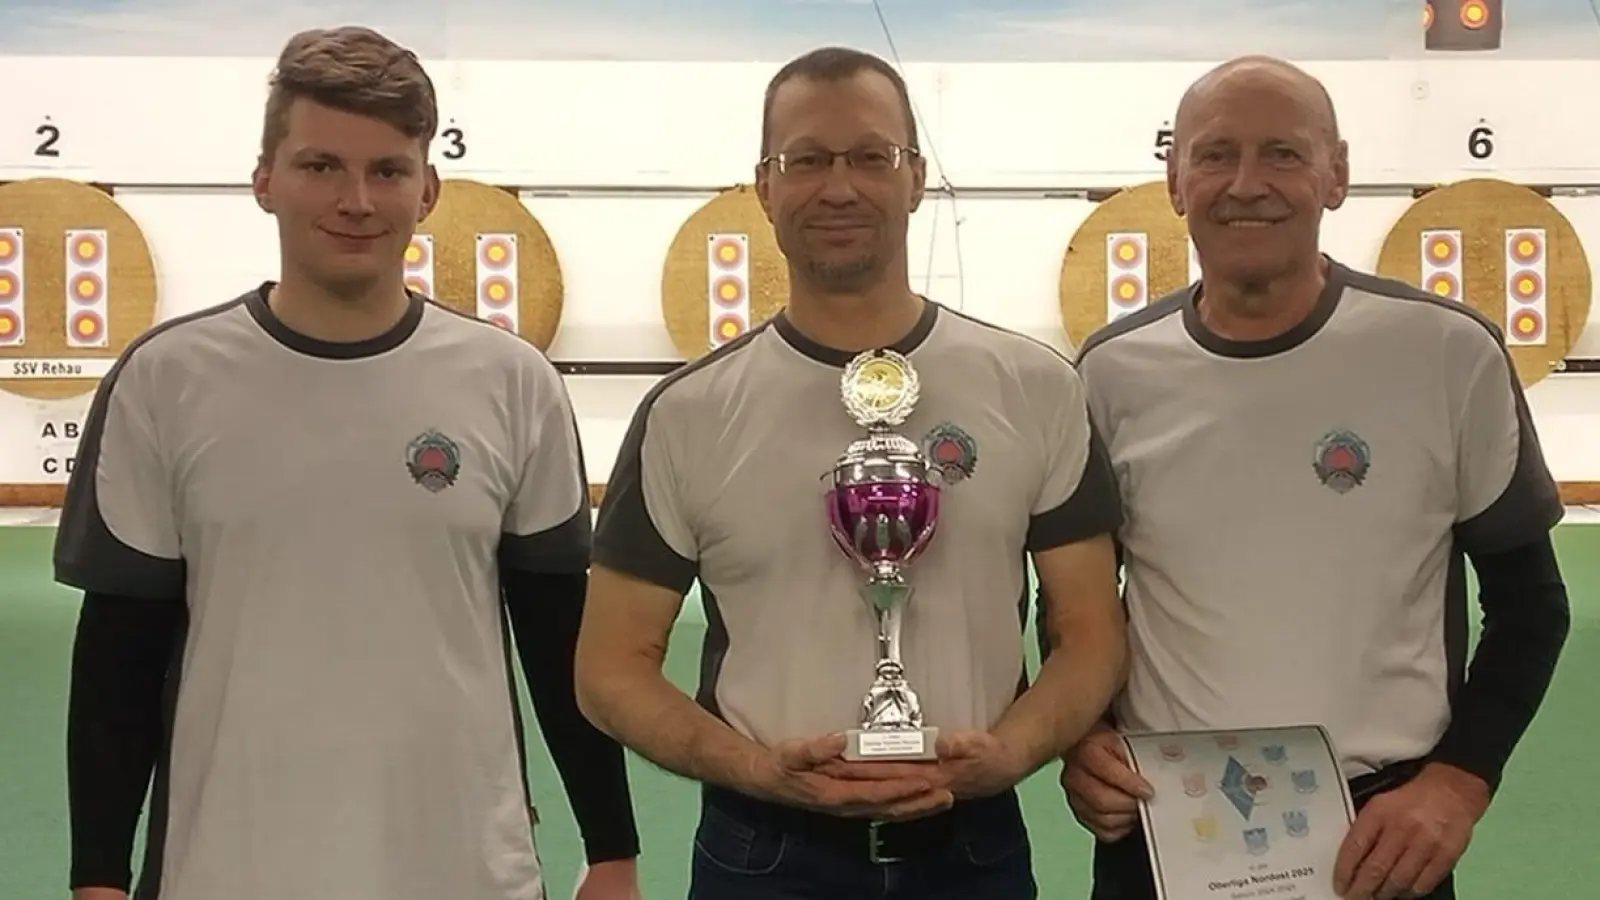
[546,611]
[121,657]
[1526,617]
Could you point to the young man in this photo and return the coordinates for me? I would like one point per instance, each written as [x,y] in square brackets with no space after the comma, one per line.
[1309,454]
[306,522]
[718,481]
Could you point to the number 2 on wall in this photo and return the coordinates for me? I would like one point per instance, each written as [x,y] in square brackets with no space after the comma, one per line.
[48,135]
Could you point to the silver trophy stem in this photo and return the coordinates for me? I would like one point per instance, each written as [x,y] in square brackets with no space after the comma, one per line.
[889,627]
[891,725]
[886,648]
[886,595]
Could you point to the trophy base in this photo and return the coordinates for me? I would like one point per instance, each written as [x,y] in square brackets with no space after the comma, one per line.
[891,745]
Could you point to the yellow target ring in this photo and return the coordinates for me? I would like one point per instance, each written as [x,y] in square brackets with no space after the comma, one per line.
[46,209]
[1146,208]
[686,274]
[467,209]
[1483,210]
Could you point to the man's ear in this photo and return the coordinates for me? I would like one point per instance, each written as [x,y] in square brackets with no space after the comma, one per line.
[763,189]
[919,181]
[1172,187]
[430,193]
[261,184]
[1341,176]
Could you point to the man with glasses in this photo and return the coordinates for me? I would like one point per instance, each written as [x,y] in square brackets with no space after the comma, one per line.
[718,482]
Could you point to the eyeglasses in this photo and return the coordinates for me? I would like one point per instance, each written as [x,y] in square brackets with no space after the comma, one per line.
[867,160]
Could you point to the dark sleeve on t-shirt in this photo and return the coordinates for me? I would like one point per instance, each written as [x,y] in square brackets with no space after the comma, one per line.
[548,525]
[1506,495]
[1526,618]
[1507,504]
[643,526]
[546,612]
[1079,498]
[1094,505]
[1041,604]
[118,533]
[122,656]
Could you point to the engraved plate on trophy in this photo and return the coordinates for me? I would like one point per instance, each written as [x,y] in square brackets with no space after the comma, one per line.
[883,506]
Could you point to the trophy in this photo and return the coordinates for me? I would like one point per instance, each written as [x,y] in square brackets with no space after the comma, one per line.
[882,509]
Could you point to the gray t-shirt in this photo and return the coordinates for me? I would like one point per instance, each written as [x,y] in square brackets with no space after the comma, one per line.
[1297,509]
[345,721]
[720,479]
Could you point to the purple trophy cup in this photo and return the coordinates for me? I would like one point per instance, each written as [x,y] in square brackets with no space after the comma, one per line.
[883,509]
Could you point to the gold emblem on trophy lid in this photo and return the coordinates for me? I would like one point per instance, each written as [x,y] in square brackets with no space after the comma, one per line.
[879,388]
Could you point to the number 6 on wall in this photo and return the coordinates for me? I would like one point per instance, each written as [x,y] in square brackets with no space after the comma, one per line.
[1480,141]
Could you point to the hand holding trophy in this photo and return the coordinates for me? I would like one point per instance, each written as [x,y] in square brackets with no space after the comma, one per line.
[883,508]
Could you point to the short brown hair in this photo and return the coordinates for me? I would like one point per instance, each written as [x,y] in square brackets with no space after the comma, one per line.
[356,70]
[836,64]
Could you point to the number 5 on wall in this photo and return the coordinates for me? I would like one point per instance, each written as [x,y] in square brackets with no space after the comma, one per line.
[1163,146]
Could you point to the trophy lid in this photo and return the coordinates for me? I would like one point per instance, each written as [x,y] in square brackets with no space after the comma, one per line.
[881,457]
[884,445]
[879,388]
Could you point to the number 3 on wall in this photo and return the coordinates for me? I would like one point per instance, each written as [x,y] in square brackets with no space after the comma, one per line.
[1480,141]
[455,142]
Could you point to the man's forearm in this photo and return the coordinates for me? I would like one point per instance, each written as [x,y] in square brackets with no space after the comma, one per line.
[1076,683]
[639,707]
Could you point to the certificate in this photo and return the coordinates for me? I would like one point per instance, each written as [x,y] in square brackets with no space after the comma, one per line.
[1255,813]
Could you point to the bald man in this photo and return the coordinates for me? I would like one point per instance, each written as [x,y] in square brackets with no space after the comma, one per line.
[1309,455]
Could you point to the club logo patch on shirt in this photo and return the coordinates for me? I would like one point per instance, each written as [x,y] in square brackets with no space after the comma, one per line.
[433,460]
[1342,461]
[951,451]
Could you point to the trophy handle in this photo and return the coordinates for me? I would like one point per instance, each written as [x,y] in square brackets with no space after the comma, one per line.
[841,532]
[919,542]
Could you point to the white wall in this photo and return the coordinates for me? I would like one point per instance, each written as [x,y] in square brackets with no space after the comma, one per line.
[597,145]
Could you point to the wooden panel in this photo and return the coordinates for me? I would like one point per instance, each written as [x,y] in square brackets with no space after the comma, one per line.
[32,495]
[1580,493]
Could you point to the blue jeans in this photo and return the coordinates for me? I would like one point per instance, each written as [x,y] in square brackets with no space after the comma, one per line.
[747,850]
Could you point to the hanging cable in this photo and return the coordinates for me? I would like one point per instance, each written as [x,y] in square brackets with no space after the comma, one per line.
[945,188]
